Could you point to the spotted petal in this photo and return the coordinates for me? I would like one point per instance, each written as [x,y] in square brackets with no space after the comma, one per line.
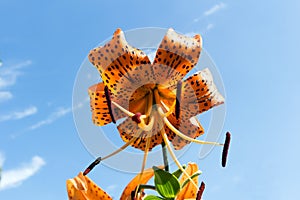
[116,59]
[176,56]
[199,94]
[188,126]
[99,106]
[189,191]
[83,188]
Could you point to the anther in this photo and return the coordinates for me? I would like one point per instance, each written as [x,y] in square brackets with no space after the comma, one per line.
[200,191]
[137,117]
[178,99]
[91,166]
[108,100]
[225,149]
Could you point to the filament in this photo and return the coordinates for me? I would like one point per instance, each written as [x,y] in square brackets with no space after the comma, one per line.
[177,132]
[165,137]
[148,139]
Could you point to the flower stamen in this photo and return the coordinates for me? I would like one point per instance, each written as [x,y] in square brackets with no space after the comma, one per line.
[200,191]
[178,99]
[165,138]
[121,148]
[225,149]
[177,132]
[148,140]
[139,119]
[99,159]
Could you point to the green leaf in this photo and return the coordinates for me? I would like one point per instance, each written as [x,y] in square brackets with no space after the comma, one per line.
[178,172]
[152,197]
[167,185]
[197,173]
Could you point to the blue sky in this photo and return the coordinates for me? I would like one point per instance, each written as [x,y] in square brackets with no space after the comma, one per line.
[255,46]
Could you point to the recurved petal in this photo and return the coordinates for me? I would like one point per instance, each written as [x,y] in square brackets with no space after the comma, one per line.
[176,56]
[199,94]
[116,59]
[189,191]
[99,106]
[83,188]
[188,126]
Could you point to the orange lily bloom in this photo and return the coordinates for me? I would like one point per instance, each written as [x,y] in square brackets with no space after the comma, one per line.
[153,97]
[158,104]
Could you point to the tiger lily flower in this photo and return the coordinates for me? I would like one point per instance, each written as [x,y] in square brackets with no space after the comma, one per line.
[158,104]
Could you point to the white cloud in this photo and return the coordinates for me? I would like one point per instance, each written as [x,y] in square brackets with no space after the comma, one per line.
[215,9]
[9,75]
[209,26]
[202,32]
[5,95]
[15,177]
[19,114]
[51,118]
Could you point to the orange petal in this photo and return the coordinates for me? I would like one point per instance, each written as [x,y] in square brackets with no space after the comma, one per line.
[146,176]
[99,106]
[188,126]
[189,191]
[116,59]
[83,188]
[176,56]
[199,94]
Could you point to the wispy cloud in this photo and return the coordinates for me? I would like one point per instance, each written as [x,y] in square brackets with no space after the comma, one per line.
[9,75]
[15,115]
[15,177]
[202,32]
[215,9]
[5,95]
[209,26]
[60,112]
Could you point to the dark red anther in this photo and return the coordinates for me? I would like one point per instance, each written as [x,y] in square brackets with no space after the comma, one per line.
[137,117]
[108,100]
[86,171]
[178,99]
[225,149]
[200,191]
[91,166]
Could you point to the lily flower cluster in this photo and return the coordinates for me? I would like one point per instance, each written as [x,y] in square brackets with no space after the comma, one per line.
[159,107]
